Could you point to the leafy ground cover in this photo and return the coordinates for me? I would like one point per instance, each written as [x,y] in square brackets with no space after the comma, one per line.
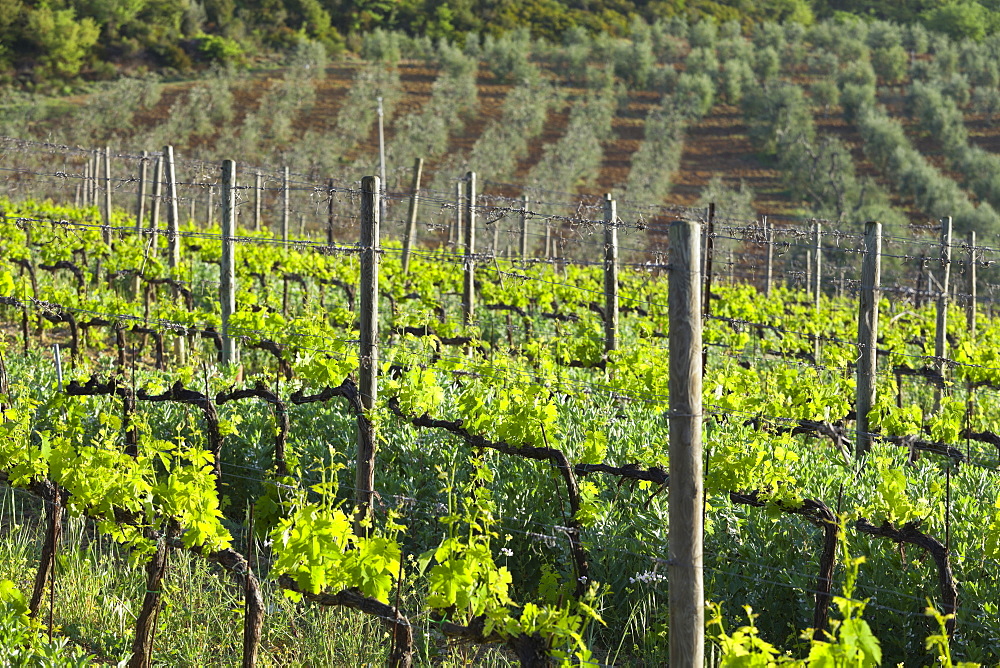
[521,478]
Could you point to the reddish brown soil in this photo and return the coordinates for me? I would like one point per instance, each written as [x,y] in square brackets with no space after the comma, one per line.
[717,145]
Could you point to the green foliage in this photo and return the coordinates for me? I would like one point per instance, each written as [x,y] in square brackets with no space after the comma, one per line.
[850,644]
[64,40]
[22,640]
[321,552]
[220,50]
[730,201]
[961,20]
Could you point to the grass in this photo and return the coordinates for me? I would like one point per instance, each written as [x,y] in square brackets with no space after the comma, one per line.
[99,592]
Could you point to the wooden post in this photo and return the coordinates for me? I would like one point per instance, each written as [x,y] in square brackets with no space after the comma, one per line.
[173,229]
[154,216]
[227,267]
[106,208]
[381,157]
[173,237]
[807,282]
[707,259]
[610,275]
[685,541]
[548,239]
[468,285]
[925,268]
[210,217]
[970,287]
[769,243]
[258,187]
[524,227]
[95,174]
[709,247]
[86,181]
[191,209]
[459,236]
[140,203]
[941,329]
[330,214]
[817,282]
[284,204]
[871,275]
[368,351]
[818,260]
[410,240]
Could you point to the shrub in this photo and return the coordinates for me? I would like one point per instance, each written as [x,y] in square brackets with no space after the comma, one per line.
[890,63]
[381,46]
[884,35]
[702,60]
[737,77]
[766,64]
[957,88]
[703,33]
[666,43]
[958,20]
[730,202]
[916,39]
[222,50]
[507,57]
[777,115]
[986,101]
[64,40]
[824,93]
[694,94]
[658,156]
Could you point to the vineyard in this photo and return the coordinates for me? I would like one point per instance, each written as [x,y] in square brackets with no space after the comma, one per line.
[516,430]
[841,120]
[466,414]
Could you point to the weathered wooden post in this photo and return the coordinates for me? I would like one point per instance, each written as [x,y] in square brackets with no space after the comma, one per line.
[709,255]
[258,195]
[227,267]
[173,238]
[284,204]
[807,280]
[106,208]
[459,236]
[330,213]
[871,276]
[410,240]
[381,157]
[610,275]
[210,216]
[468,284]
[368,350]
[970,286]
[769,243]
[524,227]
[140,200]
[685,540]
[173,225]
[154,214]
[941,328]
[817,282]
[818,262]
[86,181]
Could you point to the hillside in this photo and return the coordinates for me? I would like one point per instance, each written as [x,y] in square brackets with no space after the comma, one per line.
[847,121]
